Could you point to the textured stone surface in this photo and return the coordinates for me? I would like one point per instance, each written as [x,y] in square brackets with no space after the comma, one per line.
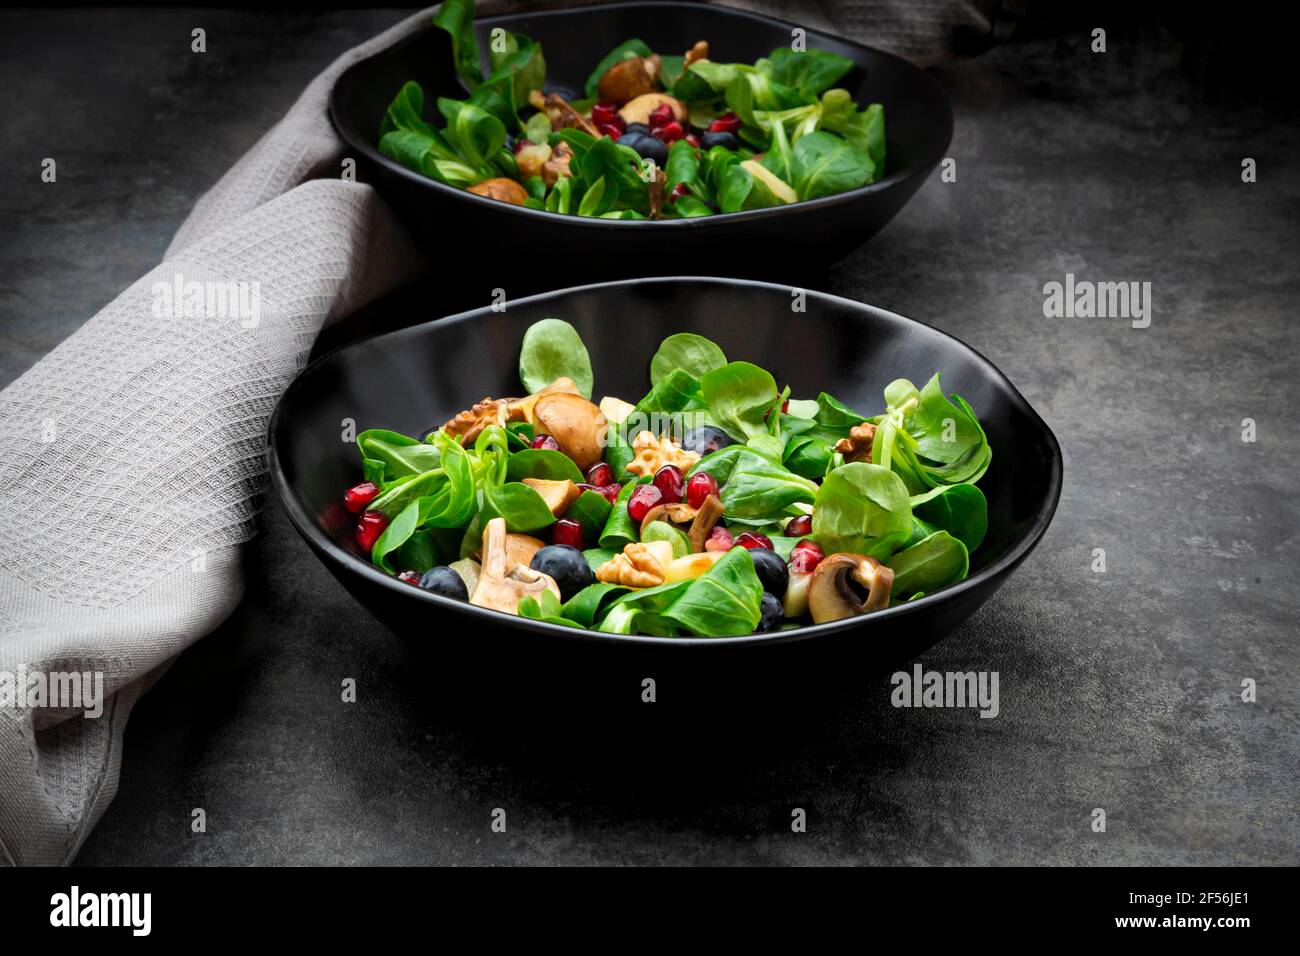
[1118,690]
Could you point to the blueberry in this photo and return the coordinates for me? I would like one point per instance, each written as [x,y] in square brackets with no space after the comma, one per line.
[566,565]
[772,571]
[641,128]
[771,614]
[647,147]
[729,140]
[443,580]
[706,439]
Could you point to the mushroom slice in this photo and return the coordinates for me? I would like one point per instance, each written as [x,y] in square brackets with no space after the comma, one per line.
[677,512]
[502,582]
[558,495]
[615,409]
[577,426]
[502,190]
[706,517]
[561,114]
[638,110]
[628,79]
[831,594]
[521,409]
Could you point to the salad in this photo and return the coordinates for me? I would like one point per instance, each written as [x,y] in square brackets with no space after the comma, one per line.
[716,505]
[652,135]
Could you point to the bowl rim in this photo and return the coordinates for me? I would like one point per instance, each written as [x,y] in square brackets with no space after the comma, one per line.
[325,545]
[920,166]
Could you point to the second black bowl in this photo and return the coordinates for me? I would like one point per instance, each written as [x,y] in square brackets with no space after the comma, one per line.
[420,376]
[918,129]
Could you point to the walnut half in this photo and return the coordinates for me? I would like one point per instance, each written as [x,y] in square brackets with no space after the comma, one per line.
[469,424]
[653,453]
[636,567]
[857,447]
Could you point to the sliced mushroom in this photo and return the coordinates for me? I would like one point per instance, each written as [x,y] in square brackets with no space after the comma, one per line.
[560,113]
[831,592]
[558,495]
[520,548]
[502,582]
[615,409]
[628,79]
[521,409]
[709,514]
[532,158]
[639,109]
[675,513]
[557,167]
[577,426]
[502,190]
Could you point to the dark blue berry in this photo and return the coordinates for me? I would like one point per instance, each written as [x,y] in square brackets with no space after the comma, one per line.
[443,580]
[566,565]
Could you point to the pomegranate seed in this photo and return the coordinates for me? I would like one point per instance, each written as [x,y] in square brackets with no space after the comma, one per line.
[693,140]
[669,132]
[661,116]
[585,487]
[752,539]
[545,441]
[611,492]
[369,528]
[410,577]
[604,113]
[612,130]
[785,407]
[680,190]
[799,527]
[671,483]
[600,474]
[719,539]
[567,531]
[727,123]
[642,500]
[521,144]
[805,556]
[701,485]
[357,497]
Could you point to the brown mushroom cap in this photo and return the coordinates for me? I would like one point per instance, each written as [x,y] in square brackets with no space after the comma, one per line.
[831,597]
[502,190]
[577,426]
[628,79]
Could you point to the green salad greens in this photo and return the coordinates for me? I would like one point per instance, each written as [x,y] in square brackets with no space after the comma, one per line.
[716,505]
[652,134]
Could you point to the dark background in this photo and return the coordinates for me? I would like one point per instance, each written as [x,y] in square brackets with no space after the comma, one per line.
[1118,690]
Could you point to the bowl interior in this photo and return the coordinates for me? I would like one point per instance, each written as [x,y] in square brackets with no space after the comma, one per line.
[417,378]
[918,117]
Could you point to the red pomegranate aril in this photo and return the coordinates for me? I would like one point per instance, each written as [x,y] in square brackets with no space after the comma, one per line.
[701,485]
[357,497]
[669,132]
[752,539]
[799,527]
[680,190]
[612,130]
[567,531]
[546,442]
[693,140]
[727,123]
[671,484]
[600,474]
[369,528]
[604,113]
[410,577]
[642,500]
[661,116]
[719,539]
[785,407]
[611,492]
[805,556]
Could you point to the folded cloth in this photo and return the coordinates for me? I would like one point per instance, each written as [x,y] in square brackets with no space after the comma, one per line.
[136,447]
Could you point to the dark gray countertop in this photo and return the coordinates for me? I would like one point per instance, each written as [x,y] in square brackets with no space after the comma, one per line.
[1118,690]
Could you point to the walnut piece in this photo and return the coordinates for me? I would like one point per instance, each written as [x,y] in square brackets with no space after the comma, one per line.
[557,167]
[857,447]
[653,453]
[469,424]
[635,567]
[696,53]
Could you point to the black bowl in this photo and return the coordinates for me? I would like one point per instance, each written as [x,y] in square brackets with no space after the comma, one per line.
[419,377]
[918,125]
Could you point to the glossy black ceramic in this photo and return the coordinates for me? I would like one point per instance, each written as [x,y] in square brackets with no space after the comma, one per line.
[416,378]
[918,124]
